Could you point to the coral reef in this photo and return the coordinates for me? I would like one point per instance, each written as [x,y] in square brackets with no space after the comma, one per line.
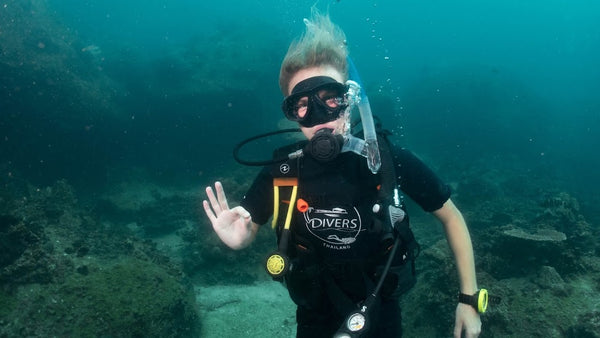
[431,296]
[56,100]
[40,58]
[130,298]
[588,326]
[64,273]
[534,249]
[540,236]
[558,235]
[151,210]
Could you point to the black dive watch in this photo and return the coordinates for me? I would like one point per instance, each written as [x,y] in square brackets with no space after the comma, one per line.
[479,300]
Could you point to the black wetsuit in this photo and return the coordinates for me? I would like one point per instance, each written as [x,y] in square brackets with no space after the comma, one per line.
[336,245]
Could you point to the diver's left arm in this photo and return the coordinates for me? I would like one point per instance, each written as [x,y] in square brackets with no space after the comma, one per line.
[457,235]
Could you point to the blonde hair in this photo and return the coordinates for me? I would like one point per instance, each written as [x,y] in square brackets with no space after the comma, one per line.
[322,44]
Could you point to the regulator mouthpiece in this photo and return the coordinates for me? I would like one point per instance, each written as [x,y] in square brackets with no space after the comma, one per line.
[324,146]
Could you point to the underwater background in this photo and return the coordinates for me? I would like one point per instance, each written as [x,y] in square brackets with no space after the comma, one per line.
[114,116]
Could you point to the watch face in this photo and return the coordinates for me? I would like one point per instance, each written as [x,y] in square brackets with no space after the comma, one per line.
[356,322]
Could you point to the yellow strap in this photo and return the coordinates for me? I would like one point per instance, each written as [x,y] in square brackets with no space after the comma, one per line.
[275,206]
[283,182]
[288,218]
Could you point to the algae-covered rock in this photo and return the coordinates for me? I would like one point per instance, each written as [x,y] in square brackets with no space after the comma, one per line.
[131,298]
[548,278]
[561,211]
[64,273]
[513,251]
[588,326]
[23,258]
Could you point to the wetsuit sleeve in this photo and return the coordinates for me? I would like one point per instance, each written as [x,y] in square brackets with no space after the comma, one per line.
[259,198]
[419,182]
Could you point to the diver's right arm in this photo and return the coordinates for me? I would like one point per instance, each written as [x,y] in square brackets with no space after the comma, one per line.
[233,226]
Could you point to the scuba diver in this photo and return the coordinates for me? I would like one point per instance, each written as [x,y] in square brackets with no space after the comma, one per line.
[345,249]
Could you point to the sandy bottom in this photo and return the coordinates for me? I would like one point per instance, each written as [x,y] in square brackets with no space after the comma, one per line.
[263,309]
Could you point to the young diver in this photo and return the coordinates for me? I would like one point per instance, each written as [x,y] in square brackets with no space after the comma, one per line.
[335,245]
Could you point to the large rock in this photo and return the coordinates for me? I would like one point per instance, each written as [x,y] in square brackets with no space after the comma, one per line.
[131,298]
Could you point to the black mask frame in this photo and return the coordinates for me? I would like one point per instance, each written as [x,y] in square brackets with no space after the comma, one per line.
[318,112]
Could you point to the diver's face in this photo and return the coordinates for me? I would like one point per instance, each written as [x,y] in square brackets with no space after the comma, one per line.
[303,74]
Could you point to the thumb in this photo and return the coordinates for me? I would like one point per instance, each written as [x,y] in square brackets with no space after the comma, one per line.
[241,212]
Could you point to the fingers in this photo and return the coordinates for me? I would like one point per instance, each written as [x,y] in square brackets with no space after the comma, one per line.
[209,212]
[213,201]
[221,196]
[218,203]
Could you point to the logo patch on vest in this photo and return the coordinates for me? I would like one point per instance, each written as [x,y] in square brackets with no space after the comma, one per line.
[337,228]
[284,168]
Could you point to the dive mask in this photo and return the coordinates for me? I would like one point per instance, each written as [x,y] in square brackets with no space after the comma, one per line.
[316,100]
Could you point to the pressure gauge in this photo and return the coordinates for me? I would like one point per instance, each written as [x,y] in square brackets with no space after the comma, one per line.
[356,322]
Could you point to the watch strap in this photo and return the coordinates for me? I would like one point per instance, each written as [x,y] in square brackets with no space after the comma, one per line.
[468,299]
[479,300]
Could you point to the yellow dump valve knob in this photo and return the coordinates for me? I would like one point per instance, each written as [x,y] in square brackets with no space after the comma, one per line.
[276,265]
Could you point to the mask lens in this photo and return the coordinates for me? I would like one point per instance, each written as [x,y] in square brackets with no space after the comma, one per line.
[331,99]
[295,107]
[301,107]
